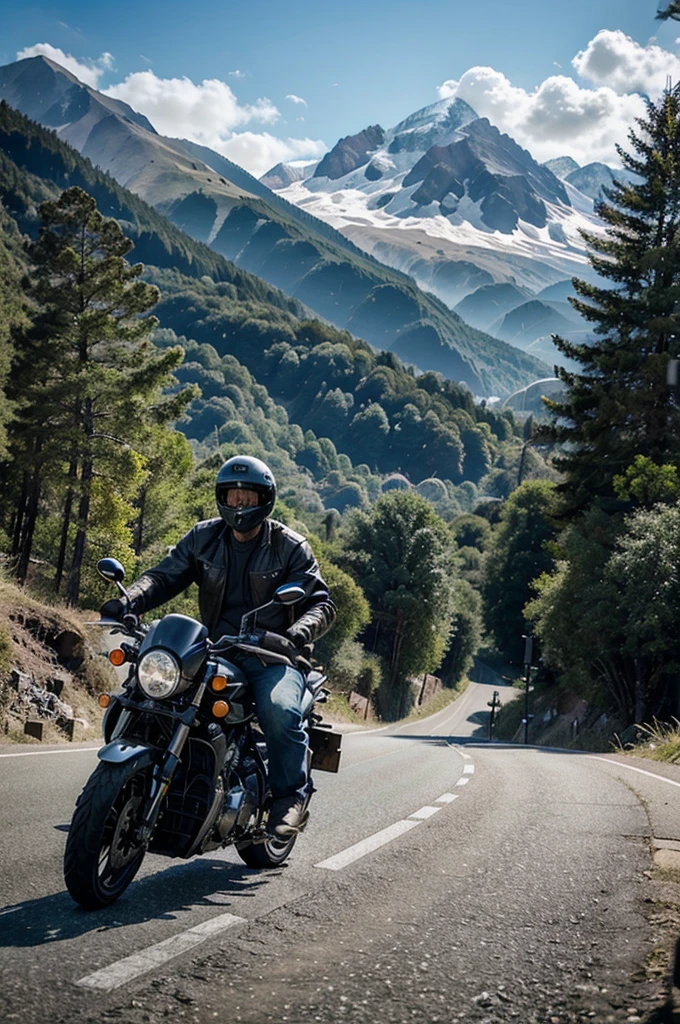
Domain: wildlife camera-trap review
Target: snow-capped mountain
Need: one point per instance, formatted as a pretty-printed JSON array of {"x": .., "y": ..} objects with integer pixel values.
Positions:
[
  {"x": 219, "y": 203},
  {"x": 452, "y": 201}
]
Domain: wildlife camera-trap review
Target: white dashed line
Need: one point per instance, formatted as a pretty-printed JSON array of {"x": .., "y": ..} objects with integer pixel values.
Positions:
[
  {"x": 386, "y": 835},
  {"x": 425, "y": 812},
  {"x": 122, "y": 971},
  {"x": 374, "y": 842}
]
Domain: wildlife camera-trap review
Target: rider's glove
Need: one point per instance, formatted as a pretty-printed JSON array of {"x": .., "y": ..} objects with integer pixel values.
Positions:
[
  {"x": 114, "y": 609},
  {"x": 121, "y": 611},
  {"x": 276, "y": 643},
  {"x": 299, "y": 636}
]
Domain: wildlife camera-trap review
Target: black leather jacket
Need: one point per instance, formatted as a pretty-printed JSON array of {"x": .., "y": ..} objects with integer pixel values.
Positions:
[{"x": 202, "y": 557}]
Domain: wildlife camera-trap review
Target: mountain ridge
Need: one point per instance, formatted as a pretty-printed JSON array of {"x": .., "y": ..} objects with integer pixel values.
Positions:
[{"x": 286, "y": 247}]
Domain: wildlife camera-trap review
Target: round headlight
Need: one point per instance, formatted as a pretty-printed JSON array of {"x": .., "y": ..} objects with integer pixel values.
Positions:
[{"x": 158, "y": 674}]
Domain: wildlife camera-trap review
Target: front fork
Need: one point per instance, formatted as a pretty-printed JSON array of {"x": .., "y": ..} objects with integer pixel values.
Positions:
[{"x": 163, "y": 772}]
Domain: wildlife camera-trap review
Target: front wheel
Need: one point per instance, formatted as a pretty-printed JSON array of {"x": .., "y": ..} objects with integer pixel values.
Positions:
[{"x": 103, "y": 852}]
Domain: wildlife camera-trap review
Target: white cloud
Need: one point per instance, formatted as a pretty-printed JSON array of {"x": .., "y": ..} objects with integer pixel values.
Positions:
[
  {"x": 260, "y": 152},
  {"x": 88, "y": 71},
  {"x": 209, "y": 113},
  {"x": 559, "y": 117},
  {"x": 296, "y": 99},
  {"x": 237, "y": 74},
  {"x": 614, "y": 60},
  {"x": 180, "y": 107}
]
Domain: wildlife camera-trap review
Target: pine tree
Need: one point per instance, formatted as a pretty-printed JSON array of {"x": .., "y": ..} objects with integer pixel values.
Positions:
[
  {"x": 88, "y": 382},
  {"x": 671, "y": 11},
  {"x": 618, "y": 406}
]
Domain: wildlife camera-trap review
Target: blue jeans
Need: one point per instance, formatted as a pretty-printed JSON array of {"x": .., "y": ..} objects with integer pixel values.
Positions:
[{"x": 278, "y": 691}]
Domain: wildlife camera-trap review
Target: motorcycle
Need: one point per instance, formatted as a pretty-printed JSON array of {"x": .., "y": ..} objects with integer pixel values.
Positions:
[{"x": 184, "y": 767}]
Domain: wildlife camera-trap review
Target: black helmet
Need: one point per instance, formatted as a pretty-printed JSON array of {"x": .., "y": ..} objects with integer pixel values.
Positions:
[{"x": 245, "y": 473}]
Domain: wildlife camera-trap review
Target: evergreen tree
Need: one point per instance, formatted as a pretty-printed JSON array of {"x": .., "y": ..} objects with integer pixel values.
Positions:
[
  {"x": 516, "y": 556},
  {"x": 400, "y": 555},
  {"x": 672, "y": 10},
  {"x": 87, "y": 381},
  {"x": 618, "y": 405}
]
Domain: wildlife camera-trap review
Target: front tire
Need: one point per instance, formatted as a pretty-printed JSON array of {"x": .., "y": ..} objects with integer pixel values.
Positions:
[{"x": 103, "y": 853}]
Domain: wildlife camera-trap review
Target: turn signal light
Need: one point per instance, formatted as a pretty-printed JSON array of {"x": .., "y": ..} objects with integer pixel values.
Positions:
[
  {"x": 104, "y": 699},
  {"x": 220, "y": 708},
  {"x": 117, "y": 657},
  {"x": 219, "y": 683}
]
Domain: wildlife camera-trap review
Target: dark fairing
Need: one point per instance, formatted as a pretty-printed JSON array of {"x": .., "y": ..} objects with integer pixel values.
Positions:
[{"x": 183, "y": 636}]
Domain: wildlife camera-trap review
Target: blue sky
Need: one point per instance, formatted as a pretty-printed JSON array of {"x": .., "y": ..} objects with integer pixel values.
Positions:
[{"x": 264, "y": 80}]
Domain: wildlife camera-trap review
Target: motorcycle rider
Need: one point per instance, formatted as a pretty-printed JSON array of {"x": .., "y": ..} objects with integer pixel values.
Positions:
[{"x": 238, "y": 560}]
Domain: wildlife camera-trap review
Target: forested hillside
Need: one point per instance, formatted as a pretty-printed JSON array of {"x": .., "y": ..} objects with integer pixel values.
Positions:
[
  {"x": 293, "y": 251},
  {"x": 125, "y": 387},
  {"x": 371, "y": 407}
]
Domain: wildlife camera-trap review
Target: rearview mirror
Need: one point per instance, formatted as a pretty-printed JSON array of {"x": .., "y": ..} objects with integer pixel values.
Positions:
[
  {"x": 111, "y": 570},
  {"x": 289, "y": 593}
]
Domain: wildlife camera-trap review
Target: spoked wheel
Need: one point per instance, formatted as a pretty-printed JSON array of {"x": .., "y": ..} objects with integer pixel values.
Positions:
[{"x": 103, "y": 852}]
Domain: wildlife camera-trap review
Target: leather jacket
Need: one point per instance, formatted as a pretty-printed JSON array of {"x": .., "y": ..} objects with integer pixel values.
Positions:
[{"x": 202, "y": 557}]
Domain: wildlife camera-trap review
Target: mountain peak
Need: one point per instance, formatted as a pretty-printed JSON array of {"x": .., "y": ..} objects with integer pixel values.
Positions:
[
  {"x": 47, "y": 92},
  {"x": 351, "y": 152},
  {"x": 562, "y": 166},
  {"x": 434, "y": 125}
]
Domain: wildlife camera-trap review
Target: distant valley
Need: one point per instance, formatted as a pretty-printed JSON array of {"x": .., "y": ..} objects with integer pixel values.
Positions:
[{"x": 470, "y": 215}]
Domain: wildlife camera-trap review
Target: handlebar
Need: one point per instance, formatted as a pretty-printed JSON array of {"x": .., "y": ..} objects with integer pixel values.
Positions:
[{"x": 253, "y": 643}]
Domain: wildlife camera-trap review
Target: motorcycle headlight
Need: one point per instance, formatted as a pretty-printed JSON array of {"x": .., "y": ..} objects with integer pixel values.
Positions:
[{"x": 158, "y": 674}]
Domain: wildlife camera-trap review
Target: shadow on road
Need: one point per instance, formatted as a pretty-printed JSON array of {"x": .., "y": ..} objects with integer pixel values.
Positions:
[{"x": 57, "y": 918}]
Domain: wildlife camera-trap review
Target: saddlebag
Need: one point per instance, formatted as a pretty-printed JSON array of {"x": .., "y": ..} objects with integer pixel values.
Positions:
[{"x": 325, "y": 746}]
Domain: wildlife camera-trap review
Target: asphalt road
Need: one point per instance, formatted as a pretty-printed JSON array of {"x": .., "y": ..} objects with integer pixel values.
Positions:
[{"x": 441, "y": 878}]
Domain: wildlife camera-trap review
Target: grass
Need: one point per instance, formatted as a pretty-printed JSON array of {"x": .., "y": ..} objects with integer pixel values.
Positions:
[{"x": 661, "y": 742}]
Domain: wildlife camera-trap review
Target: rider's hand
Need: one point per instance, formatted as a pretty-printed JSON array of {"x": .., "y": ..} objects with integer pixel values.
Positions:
[
  {"x": 300, "y": 637},
  {"x": 276, "y": 643},
  {"x": 114, "y": 609}
]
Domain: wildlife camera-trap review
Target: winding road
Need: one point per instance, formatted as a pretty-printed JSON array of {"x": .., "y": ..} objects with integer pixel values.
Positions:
[{"x": 441, "y": 878}]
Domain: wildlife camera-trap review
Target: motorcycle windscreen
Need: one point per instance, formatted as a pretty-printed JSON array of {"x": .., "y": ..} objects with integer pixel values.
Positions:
[{"x": 183, "y": 636}]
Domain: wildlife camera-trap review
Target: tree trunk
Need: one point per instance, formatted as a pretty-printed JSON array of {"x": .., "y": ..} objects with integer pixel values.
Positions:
[
  {"x": 28, "y": 526},
  {"x": 19, "y": 517},
  {"x": 139, "y": 526},
  {"x": 73, "y": 589},
  {"x": 61, "y": 559}
]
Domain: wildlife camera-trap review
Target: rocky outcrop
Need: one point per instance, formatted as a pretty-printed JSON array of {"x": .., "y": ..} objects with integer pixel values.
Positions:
[
  {"x": 349, "y": 153},
  {"x": 494, "y": 171}
]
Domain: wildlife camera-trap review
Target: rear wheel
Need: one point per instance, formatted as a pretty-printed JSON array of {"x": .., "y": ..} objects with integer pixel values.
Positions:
[
  {"x": 103, "y": 852},
  {"x": 268, "y": 854}
]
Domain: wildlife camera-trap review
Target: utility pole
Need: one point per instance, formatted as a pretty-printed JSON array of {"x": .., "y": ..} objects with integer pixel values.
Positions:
[
  {"x": 493, "y": 704},
  {"x": 528, "y": 656}
]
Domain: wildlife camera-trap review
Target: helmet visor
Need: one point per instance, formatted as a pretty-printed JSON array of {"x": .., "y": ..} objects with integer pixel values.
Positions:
[{"x": 238, "y": 497}]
